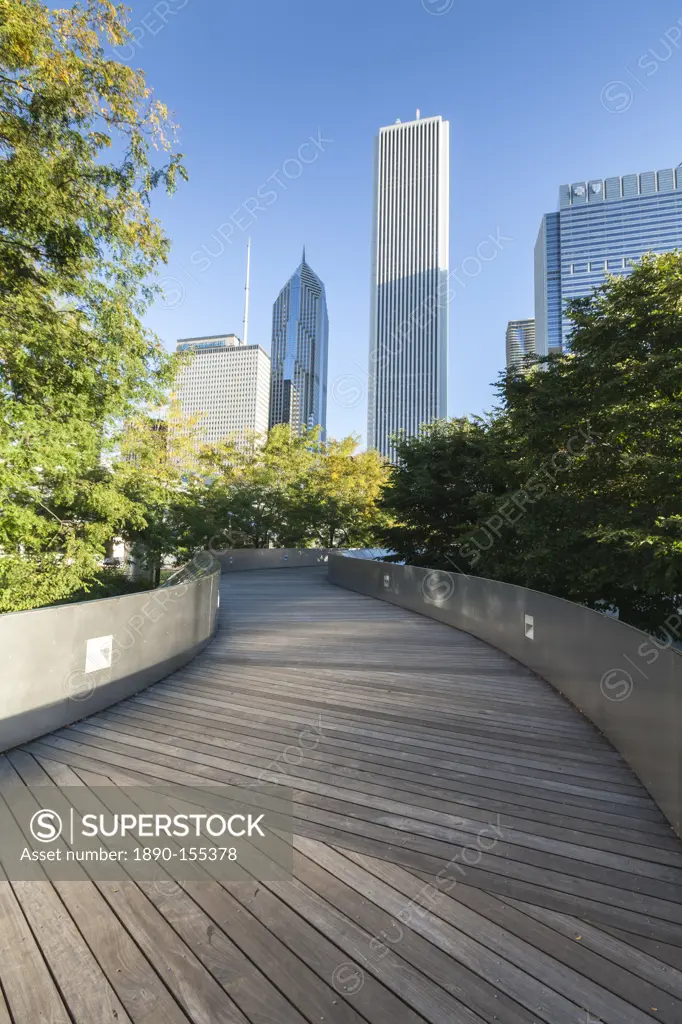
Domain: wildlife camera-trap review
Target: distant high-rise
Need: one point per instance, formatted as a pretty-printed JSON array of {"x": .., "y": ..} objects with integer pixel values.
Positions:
[
  {"x": 300, "y": 341},
  {"x": 226, "y": 387},
  {"x": 548, "y": 286},
  {"x": 409, "y": 284},
  {"x": 601, "y": 228},
  {"x": 520, "y": 342}
]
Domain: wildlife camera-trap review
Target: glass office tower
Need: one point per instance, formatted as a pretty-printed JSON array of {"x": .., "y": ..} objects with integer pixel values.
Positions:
[
  {"x": 409, "y": 283},
  {"x": 520, "y": 342},
  {"x": 602, "y": 226},
  {"x": 548, "y": 286},
  {"x": 300, "y": 340}
]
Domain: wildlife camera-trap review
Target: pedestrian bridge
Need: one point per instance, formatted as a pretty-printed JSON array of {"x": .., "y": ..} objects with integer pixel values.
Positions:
[{"x": 468, "y": 847}]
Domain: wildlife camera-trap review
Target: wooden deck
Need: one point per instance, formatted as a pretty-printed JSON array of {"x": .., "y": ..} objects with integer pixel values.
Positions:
[{"x": 468, "y": 847}]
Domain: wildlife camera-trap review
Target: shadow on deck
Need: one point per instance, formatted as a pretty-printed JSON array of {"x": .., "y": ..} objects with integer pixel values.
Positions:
[{"x": 468, "y": 848}]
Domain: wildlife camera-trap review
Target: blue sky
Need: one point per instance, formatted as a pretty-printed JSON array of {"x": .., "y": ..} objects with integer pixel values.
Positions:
[{"x": 537, "y": 94}]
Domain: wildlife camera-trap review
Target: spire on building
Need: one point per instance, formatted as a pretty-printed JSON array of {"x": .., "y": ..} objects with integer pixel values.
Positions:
[{"x": 303, "y": 260}]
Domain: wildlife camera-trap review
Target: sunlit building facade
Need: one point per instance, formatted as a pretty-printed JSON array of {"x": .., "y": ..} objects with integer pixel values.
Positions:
[
  {"x": 409, "y": 283},
  {"x": 300, "y": 343},
  {"x": 520, "y": 342},
  {"x": 224, "y": 388},
  {"x": 602, "y": 227}
]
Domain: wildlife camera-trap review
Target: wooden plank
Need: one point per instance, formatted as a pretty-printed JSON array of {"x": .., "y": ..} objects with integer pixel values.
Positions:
[
  {"x": 633, "y": 961},
  {"x": 606, "y": 911},
  {"x": 483, "y": 992},
  {"x": 531, "y": 957},
  {"x": 500, "y": 745},
  {"x": 333, "y": 965},
  {"x": 27, "y": 984},
  {"x": 659, "y": 898},
  {"x": 626, "y": 805},
  {"x": 429, "y": 1001},
  {"x": 248, "y": 988},
  {"x": 623, "y": 909},
  {"x": 656, "y": 946},
  {"x": 218, "y": 935},
  {"x": 134, "y": 724},
  {"x": 186, "y": 726},
  {"x": 427, "y": 735},
  {"x": 552, "y": 766},
  {"x": 434, "y": 736},
  {"x": 165, "y": 946},
  {"x": 291, "y": 974},
  {"x": 4, "y": 1009},
  {"x": 84, "y": 986},
  {"x": 136, "y": 984},
  {"x": 171, "y": 718}
]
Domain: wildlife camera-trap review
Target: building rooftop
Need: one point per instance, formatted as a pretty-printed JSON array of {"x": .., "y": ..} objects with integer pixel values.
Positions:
[
  {"x": 625, "y": 186},
  {"x": 211, "y": 341}
]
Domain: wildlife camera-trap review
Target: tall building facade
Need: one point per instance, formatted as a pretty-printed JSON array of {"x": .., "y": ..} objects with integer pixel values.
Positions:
[
  {"x": 226, "y": 386},
  {"x": 548, "y": 301},
  {"x": 409, "y": 282},
  {"x": 602, "y": 227},
  {"x": 300, "y": 343},
  {"x": 520, "y": 342}
]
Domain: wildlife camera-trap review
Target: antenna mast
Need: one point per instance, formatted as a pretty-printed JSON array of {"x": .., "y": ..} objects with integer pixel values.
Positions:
[{"x": 247, "y": 289}]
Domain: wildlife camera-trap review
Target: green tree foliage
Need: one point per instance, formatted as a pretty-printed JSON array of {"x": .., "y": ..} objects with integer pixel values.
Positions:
[
  {"x": 158, "y": 474},
  {"x": 448, "y": 479},
  {"x": 574, "y": 485},
  {"x": 83, "y": 144},
  {"x": 290, "y": 491},
  {"x": 339, "y": 499}
]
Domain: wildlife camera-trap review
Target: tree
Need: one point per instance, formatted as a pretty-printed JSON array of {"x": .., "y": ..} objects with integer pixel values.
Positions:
[
  {"x": 617, "y": 502},
  {"x": 292, "y": 490},
  {"x": 447, "y": 480},
  {"x": 251, "y": 484},
  {"x": 340, "y": 494},
  {"x": 574, "y": 485},
  {"x": 158, "y": 474},
  {"x": 79, "y": 137}
]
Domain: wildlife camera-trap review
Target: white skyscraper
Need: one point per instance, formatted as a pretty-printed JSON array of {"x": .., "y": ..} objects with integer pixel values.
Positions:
[
  {"x": 520, "y": 342},
  {"x": 226, "y": 387},
  {"x": 409, "y": 289}
]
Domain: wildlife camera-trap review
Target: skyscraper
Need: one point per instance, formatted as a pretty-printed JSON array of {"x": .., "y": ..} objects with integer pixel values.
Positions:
[
  {"x": 226, "y": 387},
  {"x": 410, "y": 260},
  {"x": 520, "y": 342},
  {"x": 300, "y": 340},
  {"x": 602, "y": 226},
  {"x": 548, "y": 286}
]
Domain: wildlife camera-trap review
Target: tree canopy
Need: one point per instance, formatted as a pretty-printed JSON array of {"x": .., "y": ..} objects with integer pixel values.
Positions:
[
  {"x": 573, "y": 485},
  {"x": 83, "y": 145},
  {"x": 290, "y": 491}
]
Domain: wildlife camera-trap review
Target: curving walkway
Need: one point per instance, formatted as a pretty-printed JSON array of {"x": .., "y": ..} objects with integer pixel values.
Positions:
[{"x": 468, "y": 848}]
